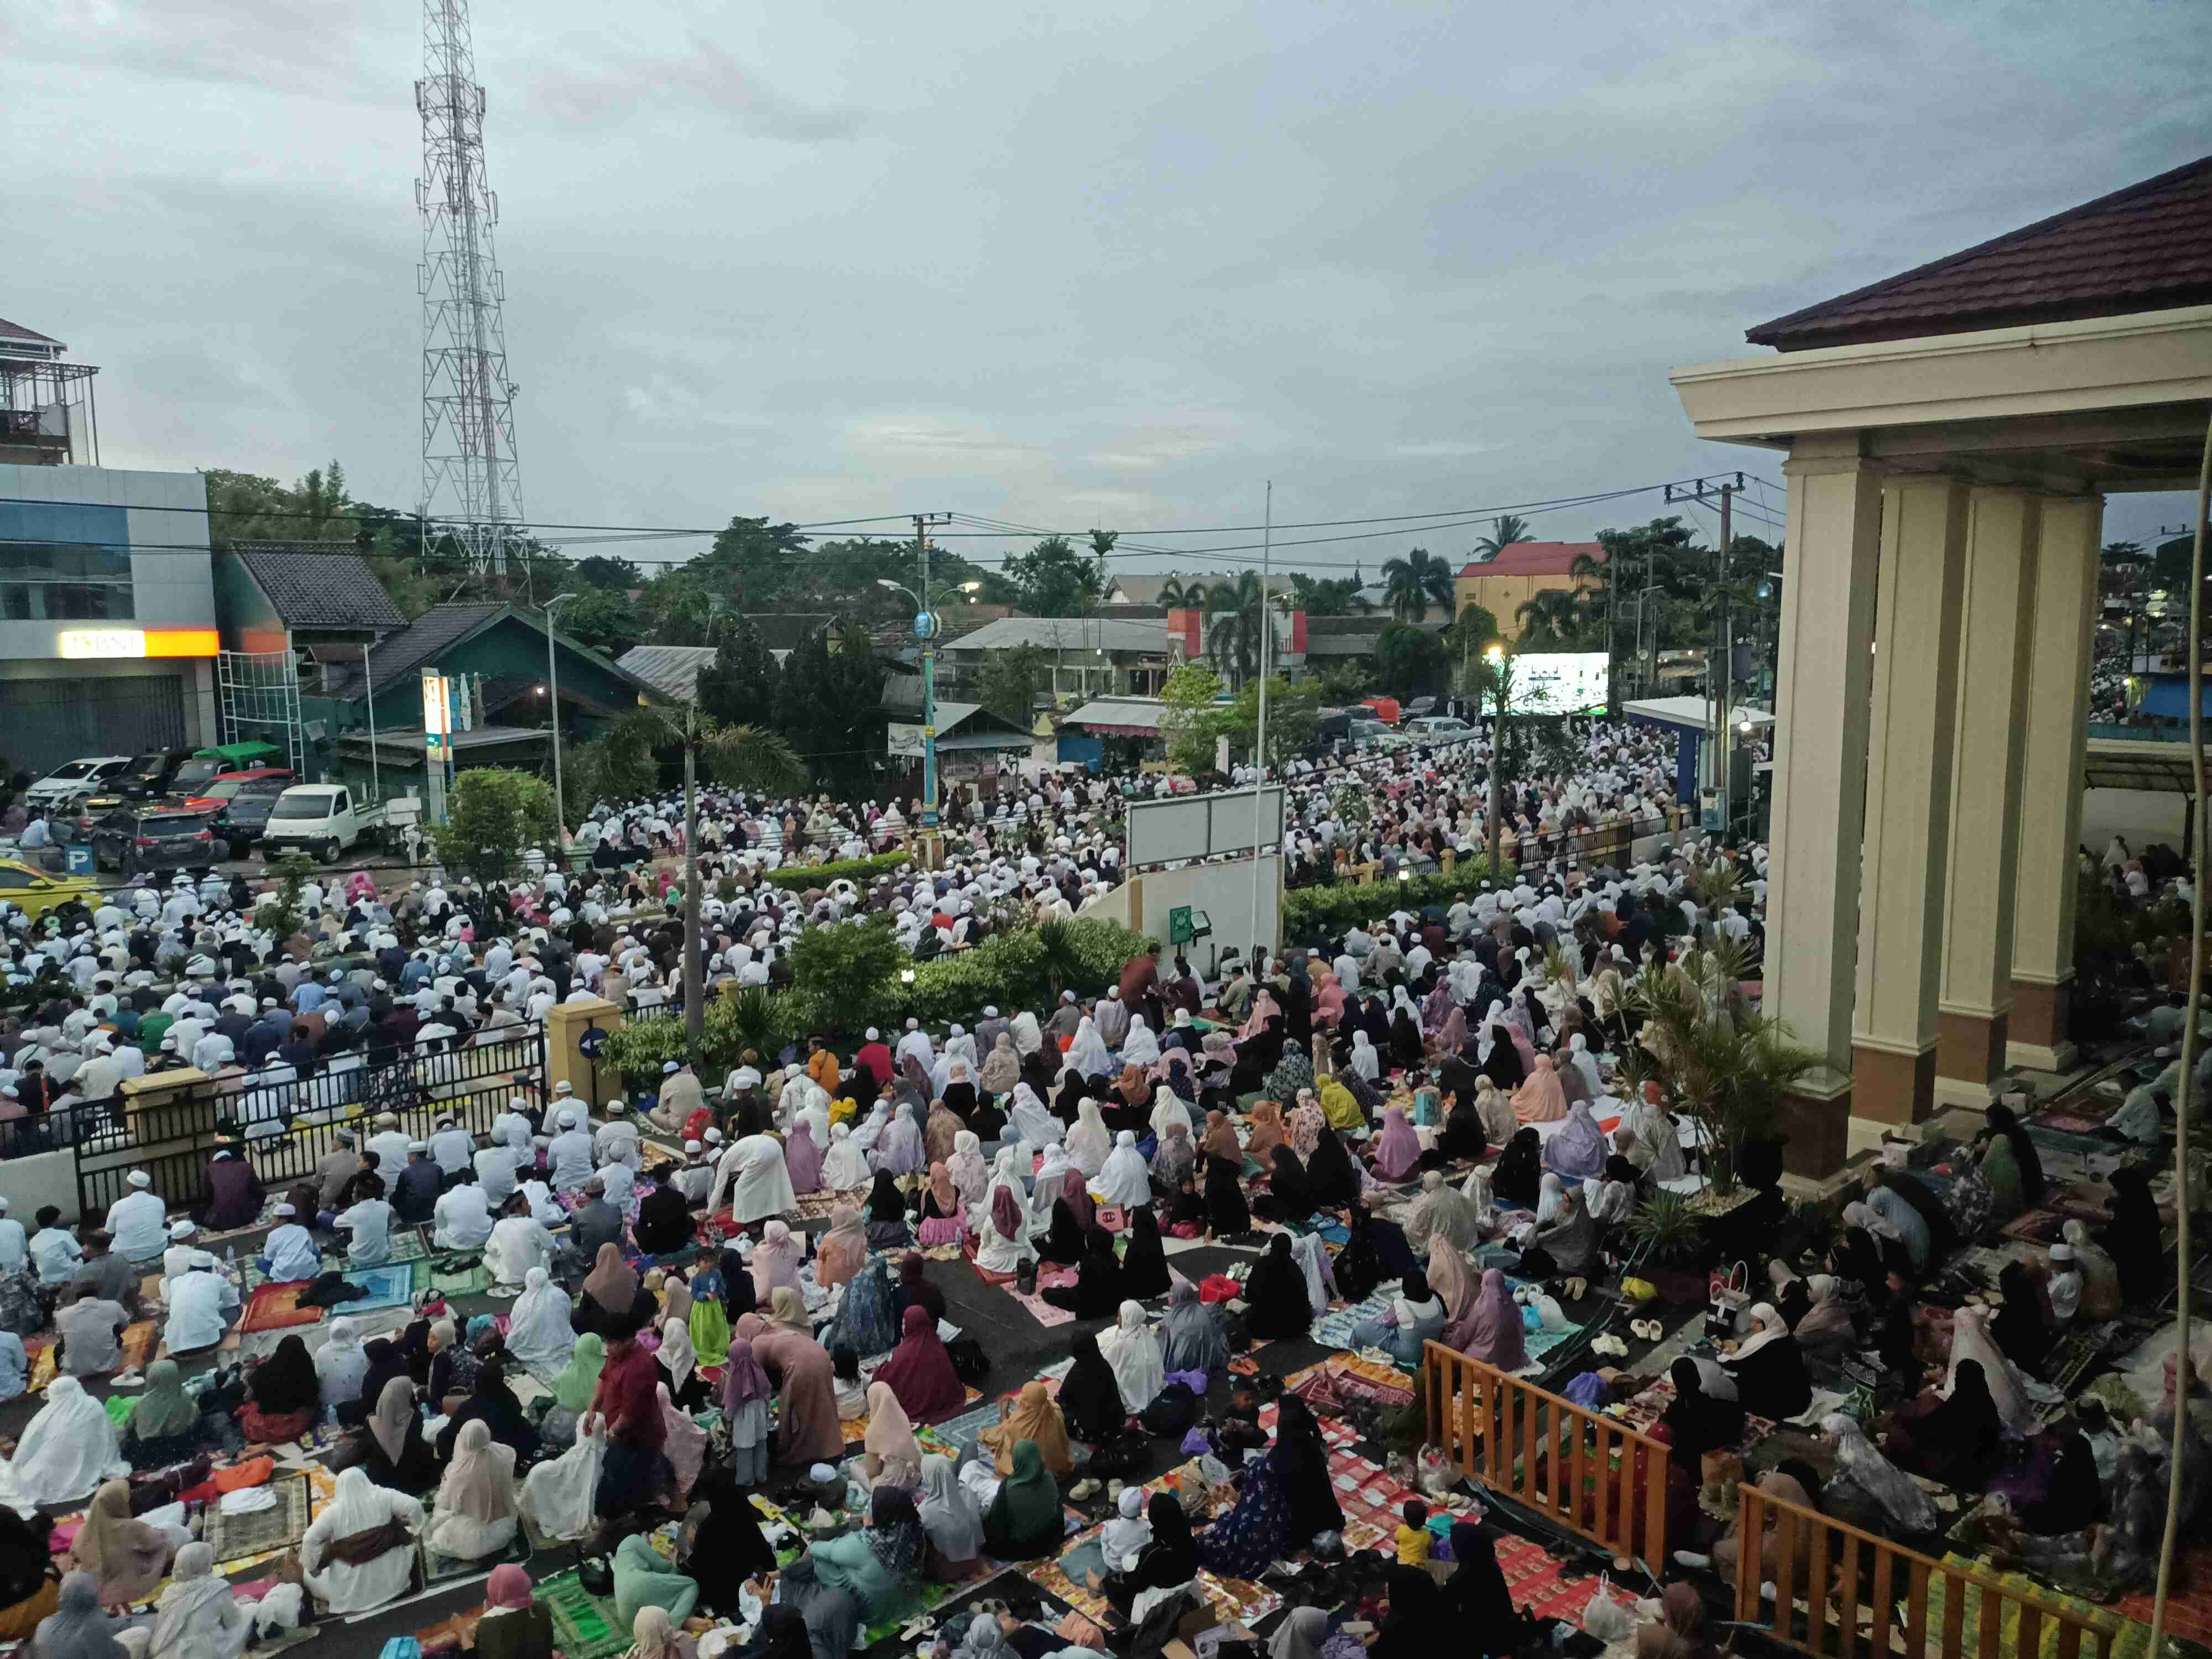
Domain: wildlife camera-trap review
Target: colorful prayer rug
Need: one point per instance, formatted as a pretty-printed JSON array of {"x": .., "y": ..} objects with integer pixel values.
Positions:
[
  {"x": 472, "y": 1279},
  {"x": 261, "y": 1532},
  {"x": 274, "y": 1306},
  {"x": 1234, "y": 1600},
  {"x": 584, "y": 1626},
  {"x": 391, "y": 1285}
]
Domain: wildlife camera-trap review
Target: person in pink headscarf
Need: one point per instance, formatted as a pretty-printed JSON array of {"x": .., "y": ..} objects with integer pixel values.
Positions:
[
  {"x": 1540, "y": 1099},
  {"x": 1264, "y": 1008},
  {"x": 802, "y": 1159},
  {"x": 1398, "y": 1149},
  {"x": 1491, "y": 1331}
]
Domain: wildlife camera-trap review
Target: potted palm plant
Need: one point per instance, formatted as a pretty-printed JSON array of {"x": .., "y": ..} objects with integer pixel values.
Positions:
[{"x": 1722, "y": 1064}]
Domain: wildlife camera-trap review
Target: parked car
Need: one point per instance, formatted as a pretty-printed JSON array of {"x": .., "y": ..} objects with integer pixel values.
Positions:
[
  {"x": 149, "y": 773},
  {"x": 37, "y": 891},
  {"x": 1368, "y": 733},
  {"x": 225, "y": 789},
  {"x": 1421, "y": 706},
  {"x": 1385, "y": 709},
  {"x": 324, "y": 819},
  {"x": 1438, "y": 728},
  {"x": 193, "y": 779},
  {"x": 246, "y": 803},
  {"x": 135, "y": 841},
  {"x": 76, "y": 778}
]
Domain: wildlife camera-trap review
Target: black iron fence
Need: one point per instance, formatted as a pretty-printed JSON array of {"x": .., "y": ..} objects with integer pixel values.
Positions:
[{"x": 285, "y": 1127}]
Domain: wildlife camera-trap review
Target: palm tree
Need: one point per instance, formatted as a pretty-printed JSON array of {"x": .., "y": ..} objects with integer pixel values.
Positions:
[
  {"x": 1550, "y": 619},
  {"x": 1235, "y": 620},
  {"x": 1505, "y": 530},
  {"x": 1179, "y": 591},
  {"x": 740, "y": 757},
  {"x": 1411, "y": 583}
]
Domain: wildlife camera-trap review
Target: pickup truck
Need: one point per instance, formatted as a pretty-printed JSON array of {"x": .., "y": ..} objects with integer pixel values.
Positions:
[{"x": 324, "y": 819}]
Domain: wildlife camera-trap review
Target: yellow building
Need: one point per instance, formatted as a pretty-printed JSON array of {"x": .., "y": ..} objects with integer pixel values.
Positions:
[{"x": 1518, "y": 572}]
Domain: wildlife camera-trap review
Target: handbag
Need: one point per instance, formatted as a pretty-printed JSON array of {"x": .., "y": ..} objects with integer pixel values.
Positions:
[
  {"x": 1727, "y": 1295},
  {"x": 595, "y": 1573},
  {"x": 969, "y": 1363}
]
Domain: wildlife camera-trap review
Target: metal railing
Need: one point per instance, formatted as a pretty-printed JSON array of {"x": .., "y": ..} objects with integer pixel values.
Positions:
[
  {"x": 1576, "y": 1468},
  {"x": 1916, "y": 1606},
  {"x": 286, "y": 1127}
]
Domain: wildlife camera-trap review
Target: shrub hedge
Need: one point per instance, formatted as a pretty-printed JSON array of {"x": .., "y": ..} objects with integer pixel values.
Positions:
[
  {"x": 1312, "y": 915},
  {"x": 1009, "y": 971},
  {"x": 799, "y": 877}
]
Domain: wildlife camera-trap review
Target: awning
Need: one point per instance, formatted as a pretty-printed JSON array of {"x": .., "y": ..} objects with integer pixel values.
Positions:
[
  {"x": 239, "y": 754},
  {"x": 2124, "y": 763}
]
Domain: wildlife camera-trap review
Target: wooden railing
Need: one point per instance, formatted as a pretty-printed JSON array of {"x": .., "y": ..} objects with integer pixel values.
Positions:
[
  {"x": 1576, "y": 1466},
  {"x": 1918, "y": 1607}
]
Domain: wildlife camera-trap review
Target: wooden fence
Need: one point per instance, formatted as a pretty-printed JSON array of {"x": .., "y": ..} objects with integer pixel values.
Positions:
[
  {"x": 1918, "y": 1606},
  {"x": 1578, "y": 1467}
]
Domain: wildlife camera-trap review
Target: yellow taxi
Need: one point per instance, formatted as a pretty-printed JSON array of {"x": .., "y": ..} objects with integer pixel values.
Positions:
[{"x": 38, "y": 891}]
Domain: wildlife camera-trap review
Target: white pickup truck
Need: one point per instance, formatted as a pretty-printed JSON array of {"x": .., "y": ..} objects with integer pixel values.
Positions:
[{"x": 327, "y": 819}]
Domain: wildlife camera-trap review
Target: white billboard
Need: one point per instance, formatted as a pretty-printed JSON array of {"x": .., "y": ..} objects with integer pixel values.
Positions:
[
  {"x": 1181, "y": 827},
  {"x": 1558, "y": 682}
]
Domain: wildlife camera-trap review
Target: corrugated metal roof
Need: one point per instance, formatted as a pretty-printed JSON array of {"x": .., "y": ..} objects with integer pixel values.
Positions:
[
  {"x": 2147, "y": 247},
  {"x": 1120, "y": 711},
  {"x": 400, "y": 654},
  {"x": 16, "y": 331},
  {"x": 1068, "y": 633},
  {"x": 671, "y": 670}
]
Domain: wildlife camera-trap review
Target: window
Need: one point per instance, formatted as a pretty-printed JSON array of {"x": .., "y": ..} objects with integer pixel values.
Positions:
[
  {"x": 14, "y": 880},
  {"x": 64, "y": 561}
]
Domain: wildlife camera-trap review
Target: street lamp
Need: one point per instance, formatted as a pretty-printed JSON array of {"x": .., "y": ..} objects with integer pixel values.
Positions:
[
  {"x": 925, "y": 629},
  {"x": 553, "y": 707}
]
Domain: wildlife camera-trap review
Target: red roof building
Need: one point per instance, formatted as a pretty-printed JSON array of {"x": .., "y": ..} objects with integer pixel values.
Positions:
[{"x": 1536, "y": 559}]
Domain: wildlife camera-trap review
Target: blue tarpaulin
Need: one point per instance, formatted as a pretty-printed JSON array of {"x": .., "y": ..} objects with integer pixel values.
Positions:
[{"x": 2169, "y": 698}]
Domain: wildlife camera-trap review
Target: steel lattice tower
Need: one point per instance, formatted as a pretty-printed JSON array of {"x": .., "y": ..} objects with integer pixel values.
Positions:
[{"x": 471, "y": 479}]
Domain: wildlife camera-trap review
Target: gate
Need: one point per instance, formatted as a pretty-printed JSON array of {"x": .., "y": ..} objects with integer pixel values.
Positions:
[
  {"x": 286, "y": 1129},
  {"x": 51, "y": 721}
]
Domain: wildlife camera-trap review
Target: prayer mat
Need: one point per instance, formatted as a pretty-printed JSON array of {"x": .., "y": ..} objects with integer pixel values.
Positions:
[
  {"x": 280, "y": 1526},
  {"x": 272, "y": 1306},
  {"x": 1234, "y": 1600},
  {"x": 138, "y": 1343},
  {"x": 2120, "y": 1636},
  {"x": 442, "y": 1569},
  {"x": 40, "y": 1351},
  {"x": 584, "y": 1626},
  {"x": 968, "y": 1250},
  {"x": 1334, "y": 1329},
  {"x": 1371, "y": 1497},
  {"x": 2062, "y": 1121},
  {"x": 2034, "y": 1227},
  {"x": 1040, "y": 1310},
  {"x": 1540, "y": 1584},
  {"x": 408, "y": 1244},
  {"x": 2056, "y": 1140},
  {"x": 391, "y": 1285},
  {"x": 470, "y": 1277},
  {"x": 268, "y": 1218}
]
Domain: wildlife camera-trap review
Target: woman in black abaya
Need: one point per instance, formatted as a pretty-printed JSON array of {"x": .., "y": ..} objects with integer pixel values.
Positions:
[
  {"x": 1096, "y": 1292},
  {"x": 1226, "y": 1212},
  {"x": 1304, "y": 1455},
  {"x": 1331, "y": 1178},
  {"x": 1276, "y": 1301},
  {"x": 1290, "y": 1195},
  {"x": 1520, "y": 1170},
  {"x": 1145, "y": 1263}
]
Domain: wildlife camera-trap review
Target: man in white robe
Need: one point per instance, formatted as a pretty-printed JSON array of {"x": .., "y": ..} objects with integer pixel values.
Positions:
[
  {"x": 518, "y": 1243},
  {"x": 203, "y": 1304},
  {"x": 763, "y": 1181},
  {"x": 290, "y": 1255},
  {"x": 370, "y": 1221},
  {"x": 463, "y": 1217},
  {"x": 138, "y": 1222}
]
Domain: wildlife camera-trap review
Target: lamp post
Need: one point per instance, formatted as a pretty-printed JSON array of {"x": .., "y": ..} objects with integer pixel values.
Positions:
[
  {"x": 1495, "y": 656},
  {"x": 553, "y": 701},
  {"x": 925, "y": 629}
]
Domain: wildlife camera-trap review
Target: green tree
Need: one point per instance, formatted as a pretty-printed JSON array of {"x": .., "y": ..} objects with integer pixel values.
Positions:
[
  {"x": 1554, "y": 619},
  {"x": 1054, "y": 580},
  {"x": 850, "y": 968},
  {"x": 754, "y": 560},
  {"x": 492, "y": 814},
  {"x": 1191, "y": 696},
  {"x": 677, "y": 608},
  {"x": 1505, "y": 530},
  {"x": 1413, "y": 583},
  {"x": 740, "y": 684},
  {"x": 1410, "y": 661},
  {"x": 1328, "y": 596},
  {"x": 828, "y": 706},
  {"x": 1472, "y": 632},
  {"x": 620, "y": 766},
  {"x": 243, "y": 508},
  {"x": 602, "y": 570},
  {"x": 1293, "y": 715},
  {"x": 1180, "y": 591},
  {"x": 602, "y": 618},
  {"x": 1344, "y": 683},
  {"x": 1009, "y": 681}
]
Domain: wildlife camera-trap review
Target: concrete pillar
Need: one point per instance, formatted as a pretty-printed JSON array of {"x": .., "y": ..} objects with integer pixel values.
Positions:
[
  {"x": 565, "y": 1062},
  {"x": 2055, "y": 733},
  {"x": 1908, "y": 798},
  {"x": 1830, "y": 553},
  {"x": 1997, "y": 621}
]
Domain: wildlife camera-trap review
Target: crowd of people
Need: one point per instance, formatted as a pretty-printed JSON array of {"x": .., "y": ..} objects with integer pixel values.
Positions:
[{"x": 1435, "y": 1119}]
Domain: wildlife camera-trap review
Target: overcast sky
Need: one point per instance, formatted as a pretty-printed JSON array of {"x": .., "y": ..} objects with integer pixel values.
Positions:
[{"x": 1060, "y": 266}]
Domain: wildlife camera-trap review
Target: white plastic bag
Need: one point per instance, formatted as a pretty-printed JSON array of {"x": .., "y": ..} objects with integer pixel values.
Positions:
[
  {"x": 559, "y": 1495},
  {"x": 1605, "y": 1618}
]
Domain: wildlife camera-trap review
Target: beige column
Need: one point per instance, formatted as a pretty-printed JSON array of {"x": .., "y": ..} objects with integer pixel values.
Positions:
[
  {"x": 1996, "y": 621},
  {"x": 2055, "y": 733},
  {"x": 1830, "y": 553},
  {"x": 1908, "y": 798}
]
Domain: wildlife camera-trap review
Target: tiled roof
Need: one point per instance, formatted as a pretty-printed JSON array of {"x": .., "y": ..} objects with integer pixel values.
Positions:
[
  {"x": 319, "y": 585},
  {"x": 402, "y": 654},
  {"x": 1068, "y": 633},
  {"x": 2147, "y": 247},
  {"x": 1536, "y": 559},
  {"x": 16, "y": 331}
]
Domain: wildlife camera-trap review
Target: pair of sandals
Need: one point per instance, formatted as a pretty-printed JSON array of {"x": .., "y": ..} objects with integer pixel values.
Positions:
[{"x": 1646, "y": 1330}]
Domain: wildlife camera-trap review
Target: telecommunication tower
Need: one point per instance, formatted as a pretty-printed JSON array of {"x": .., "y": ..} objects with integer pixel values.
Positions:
[{"x": 472, "y": 480}]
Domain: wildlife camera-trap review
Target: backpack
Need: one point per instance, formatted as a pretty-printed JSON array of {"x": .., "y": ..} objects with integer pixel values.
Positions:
[{"x": 1172, "y": 1411}]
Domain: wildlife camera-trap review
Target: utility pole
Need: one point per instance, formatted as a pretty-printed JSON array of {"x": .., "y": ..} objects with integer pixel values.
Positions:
[
  {"x": 932, "y": 842},
  {"x": 1259, "y": 742},
  {"x": 1718, "y": 677},
  {"x": 1495, "y": 656}
]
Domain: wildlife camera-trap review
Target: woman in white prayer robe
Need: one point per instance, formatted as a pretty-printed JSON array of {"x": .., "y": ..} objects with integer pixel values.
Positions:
[
  {"x": 68, "y": 1449},
  {"x": 1125, "y": 1179},
  {"x": 538, "y": 1333},
  {"x": 762, "y": 1188}
]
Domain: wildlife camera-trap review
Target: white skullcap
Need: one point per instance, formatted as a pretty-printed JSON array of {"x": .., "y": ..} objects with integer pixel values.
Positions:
[
  {"x": 140, "y": 1178},
  {"x": 181, "y": 1229},
  {"x": 693, "y": 1146},
  {"x": 669, "y": 1067}
]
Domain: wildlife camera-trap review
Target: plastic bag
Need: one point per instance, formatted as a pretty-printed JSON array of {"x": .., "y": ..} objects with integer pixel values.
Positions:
[{"x": 1605, "y": 1618}]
